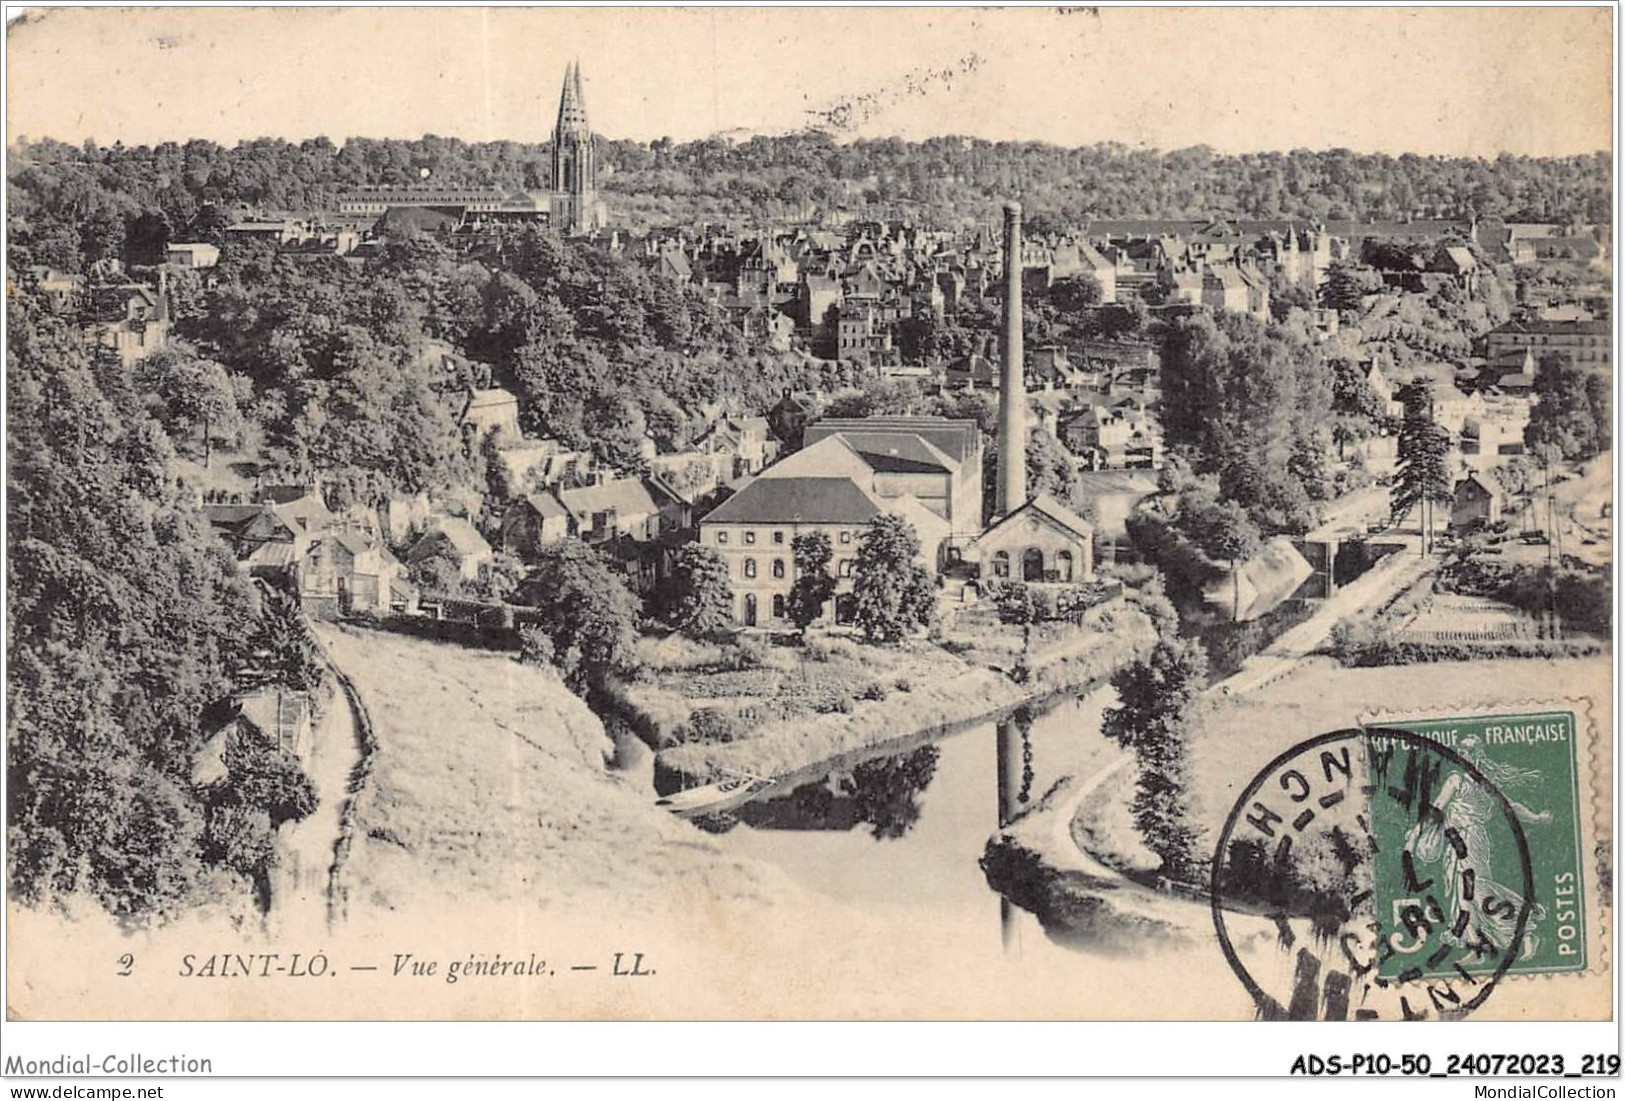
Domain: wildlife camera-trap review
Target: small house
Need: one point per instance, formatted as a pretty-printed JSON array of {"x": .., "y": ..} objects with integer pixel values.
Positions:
[
  {"x": 273, "y": 715},
  {"x": 641, "y": 509},
  {"x": 532, "y": 520},
  {"x": 492, "y": 410},
  {"x": 192, "y": 254},
  {"x": 455, "y": 535},
  {"x": 1477, "y": 498},
  {"x": 131, "y": 320}
]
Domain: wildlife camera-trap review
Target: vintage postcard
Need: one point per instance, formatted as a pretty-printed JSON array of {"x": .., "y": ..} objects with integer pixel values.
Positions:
[{"x": 809, "y": 513}]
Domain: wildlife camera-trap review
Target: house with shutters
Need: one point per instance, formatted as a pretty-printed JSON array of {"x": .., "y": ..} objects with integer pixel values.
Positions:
[
  {"x": 754, "y": 532},
  {"x": 1585, "y": 343}
]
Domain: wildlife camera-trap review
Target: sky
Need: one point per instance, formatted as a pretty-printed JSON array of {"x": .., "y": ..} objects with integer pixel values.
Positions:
[{"x": 1454, "y": 81}]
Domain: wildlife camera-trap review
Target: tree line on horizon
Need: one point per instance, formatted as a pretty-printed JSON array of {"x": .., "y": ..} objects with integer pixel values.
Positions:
[{"x": 73, "y": 204}]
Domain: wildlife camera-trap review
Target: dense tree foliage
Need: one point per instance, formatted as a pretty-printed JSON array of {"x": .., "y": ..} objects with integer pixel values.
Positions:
[
  {"x": 599, "y": 351},
  {"x": 1357, "y": 409},
  {"x": 1422, "y": 479},
  {"x": 892, "y": 593},
  {"x": 1051, "y": 469},
  {"x": 283, "y": 651},
  {"x": 1250, "y": 404},
  {"x": 1573, "y": 414},
  {"x": 585, "y": 615},
  {"x": 702, "y": 594},
  {"x": 125, "y": 622},
  {"x": 192, "y": 398},
  {"x": 1221, "y": 529},
  {"x": 1158, "y": 699},
  {"x": 264, "y": 777},
  {"x": 437, "y": 571},
  {"x": 813, "y": 587},
  {"x": 342, "y": 367},
  {"x": 331, "y": 361}
]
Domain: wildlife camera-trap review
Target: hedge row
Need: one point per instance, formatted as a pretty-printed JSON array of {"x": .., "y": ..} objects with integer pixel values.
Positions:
[{"x": 1385, "y": 651}]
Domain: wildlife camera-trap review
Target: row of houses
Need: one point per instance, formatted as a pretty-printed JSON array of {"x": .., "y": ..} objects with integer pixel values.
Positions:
[
  {"x": 286, "y": 535},
  {"x": 845, "y": 295}
]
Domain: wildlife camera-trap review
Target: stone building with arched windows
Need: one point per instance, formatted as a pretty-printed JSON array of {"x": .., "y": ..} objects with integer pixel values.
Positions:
[{"x": 1042, "y": 541}]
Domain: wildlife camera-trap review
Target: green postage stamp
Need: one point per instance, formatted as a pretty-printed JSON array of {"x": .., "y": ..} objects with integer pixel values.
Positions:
[
  {"x": 1503, "y": 840},
  {"x": 1411, "y": 864}
]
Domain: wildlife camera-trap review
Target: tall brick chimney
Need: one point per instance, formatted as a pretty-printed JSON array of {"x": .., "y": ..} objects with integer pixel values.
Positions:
[{"x": 1012, "y": 387}]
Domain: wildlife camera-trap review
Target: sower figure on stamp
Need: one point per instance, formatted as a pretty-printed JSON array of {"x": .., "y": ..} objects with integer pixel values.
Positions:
[{"x": 1465, "y": 809}]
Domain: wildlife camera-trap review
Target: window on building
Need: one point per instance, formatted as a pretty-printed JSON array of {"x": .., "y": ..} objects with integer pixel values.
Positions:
[
  {"x": 750, "y": 567},
  {"x": 1001, "y": 564},
  {"x": 846, "y": 567},
  {"x": 722, "y": 538},
  {"x": 778, "y": 537},
  {"x": 750, "y": 537},
  {"x": 778, "y": 567},
  {"x": 778, "y": 605},
  {"x": 846, "y": 537}
]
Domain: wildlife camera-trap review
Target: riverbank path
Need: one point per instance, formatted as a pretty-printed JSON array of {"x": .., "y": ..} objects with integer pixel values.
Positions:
[
  {"x": 1373, "y": 589},
  {"x": 308, "y": 848},
  {"x": 1366, "y": 593}
]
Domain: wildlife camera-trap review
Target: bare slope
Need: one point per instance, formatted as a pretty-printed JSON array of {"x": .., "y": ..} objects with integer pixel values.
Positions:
[{"x": 490, "y": 785}]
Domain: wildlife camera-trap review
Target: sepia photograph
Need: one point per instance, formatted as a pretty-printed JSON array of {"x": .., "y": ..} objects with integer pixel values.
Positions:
[{"x": 809, "y": 514}]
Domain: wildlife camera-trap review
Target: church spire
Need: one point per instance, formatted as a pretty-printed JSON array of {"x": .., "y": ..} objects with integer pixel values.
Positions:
[
  {"x": 575, "y": 207},
  {"x": 572, "y": 106}
]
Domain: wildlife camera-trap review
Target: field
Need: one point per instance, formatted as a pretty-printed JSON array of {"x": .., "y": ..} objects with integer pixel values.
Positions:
[
  {"x": 794, "y": 706},
  {"x": 746, "y": 683},
  {"x": 1238, "y": 737}
]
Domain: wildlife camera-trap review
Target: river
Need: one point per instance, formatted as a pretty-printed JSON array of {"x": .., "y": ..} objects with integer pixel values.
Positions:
[{"x": 901, "y": 833}]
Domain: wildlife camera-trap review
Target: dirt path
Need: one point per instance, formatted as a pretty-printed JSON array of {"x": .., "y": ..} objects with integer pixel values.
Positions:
[
  {"x": 1375, "y": 588},
  {"x": 311, "y": 851},
  {"x": 306, "y": 847}
]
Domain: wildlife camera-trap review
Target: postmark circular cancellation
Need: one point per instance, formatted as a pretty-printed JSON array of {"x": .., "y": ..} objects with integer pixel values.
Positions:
[{"x": 1393, "y": 870}]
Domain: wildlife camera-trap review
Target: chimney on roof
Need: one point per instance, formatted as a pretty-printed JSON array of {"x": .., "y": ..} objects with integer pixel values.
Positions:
[{"x": 1012, "y": 389}]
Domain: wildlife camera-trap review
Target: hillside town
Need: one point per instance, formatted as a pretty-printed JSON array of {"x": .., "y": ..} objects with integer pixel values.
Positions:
[
  {"x": 859, "y": 293},
  {"x": 765, "y": 496}
]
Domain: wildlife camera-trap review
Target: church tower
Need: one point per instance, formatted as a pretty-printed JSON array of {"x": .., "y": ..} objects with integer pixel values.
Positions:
[{"x": 575, "y": 206}]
